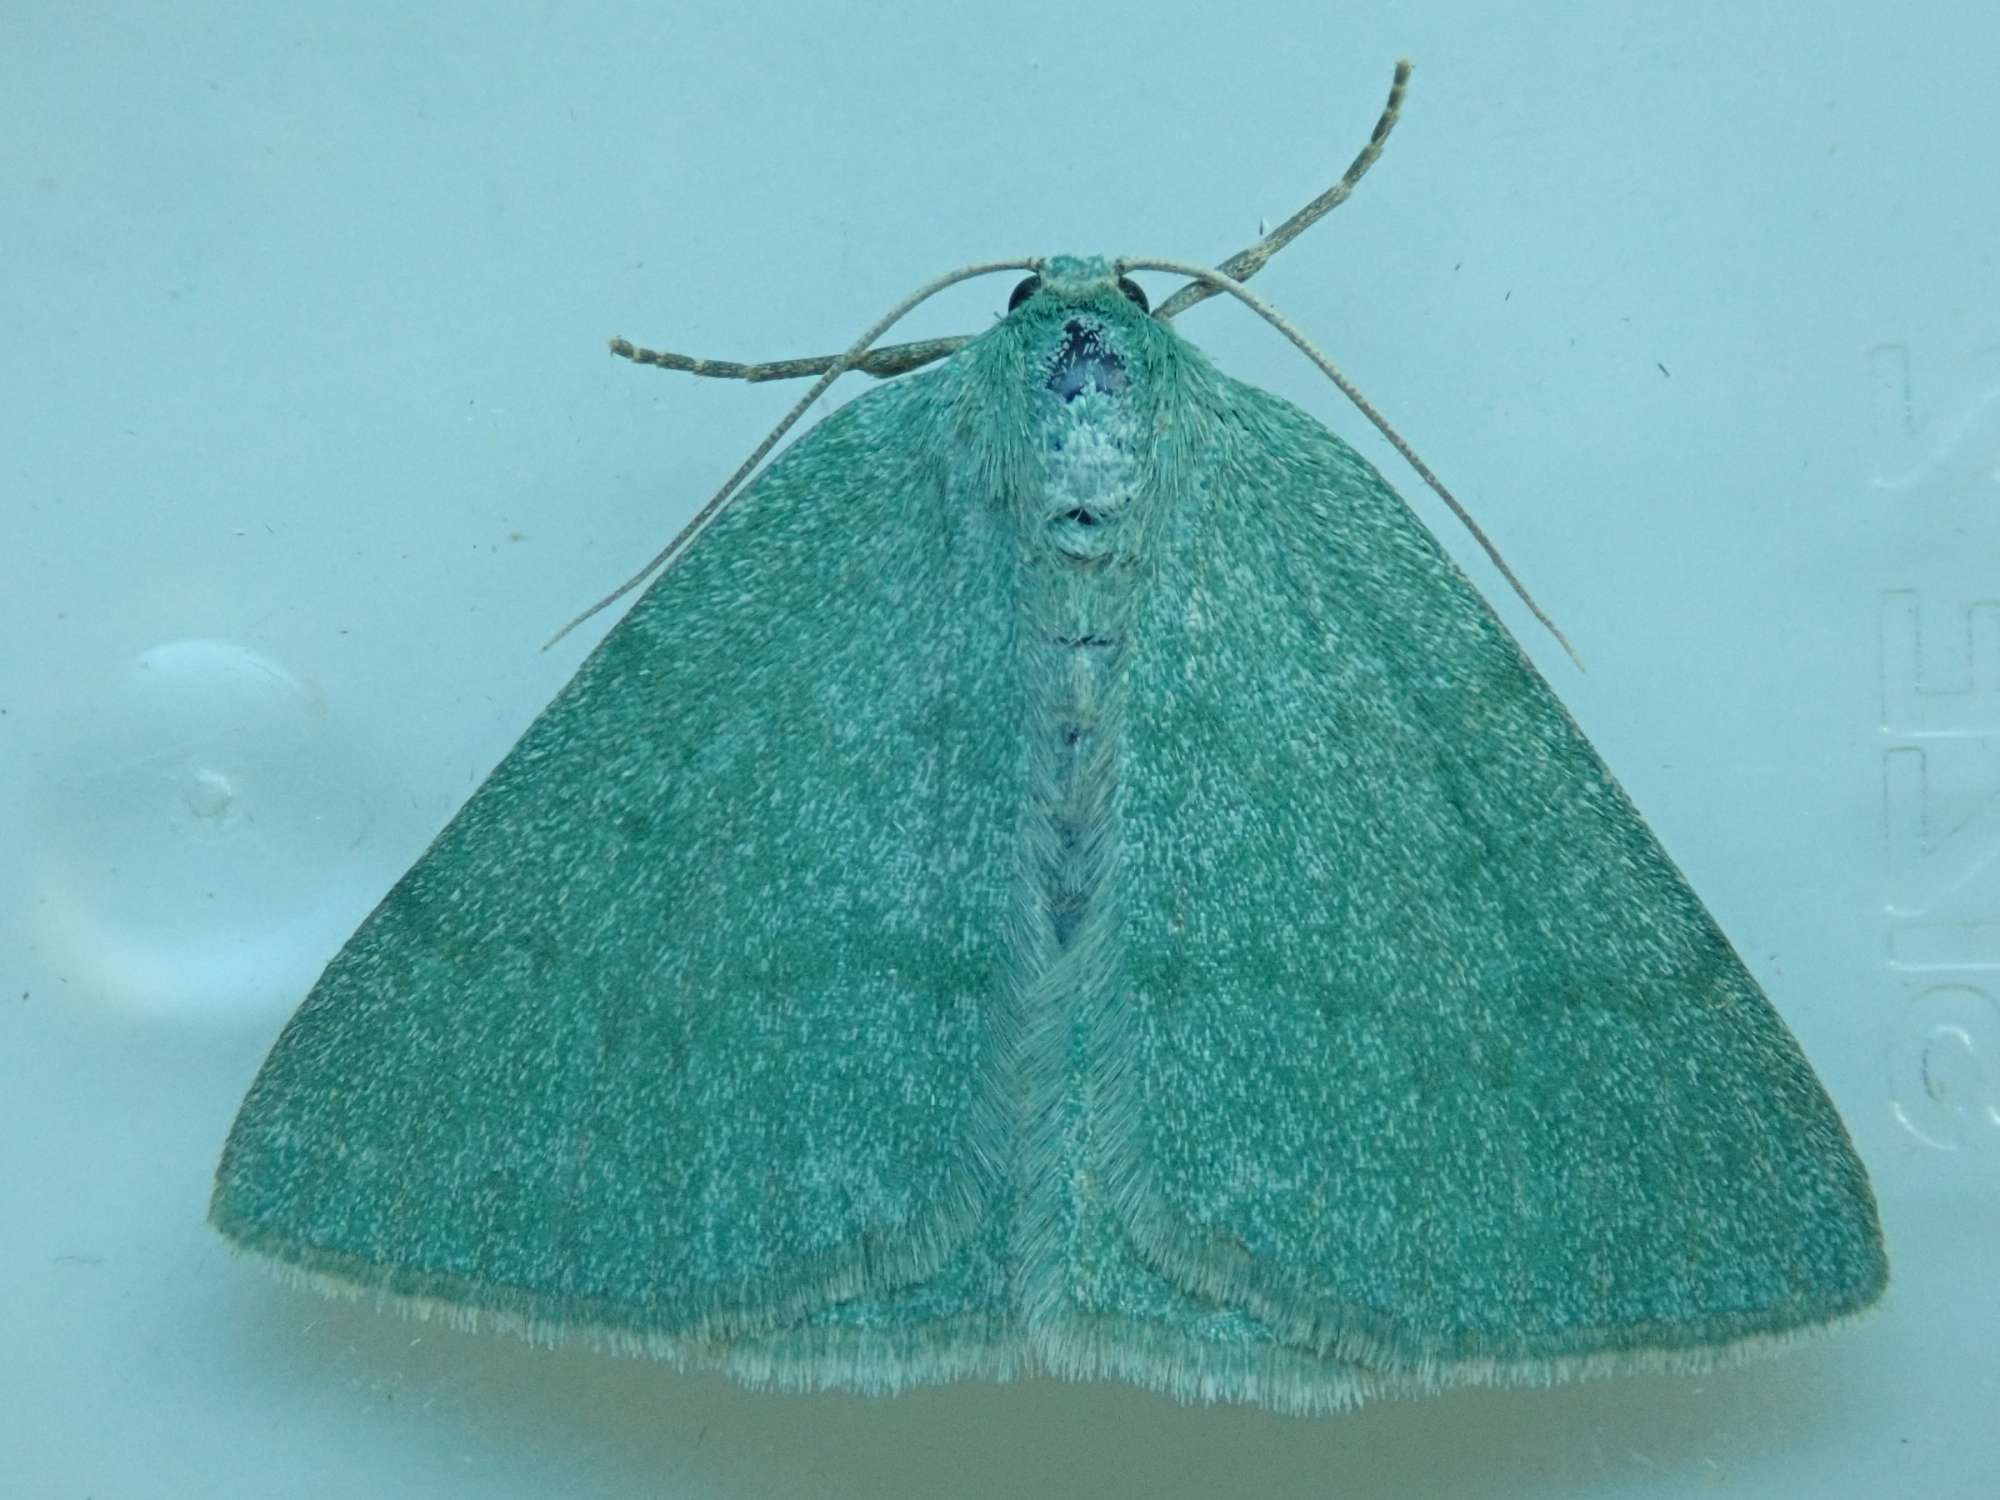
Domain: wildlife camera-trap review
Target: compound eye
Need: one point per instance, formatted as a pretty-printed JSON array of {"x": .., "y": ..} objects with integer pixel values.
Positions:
[
  {"x": 1133, "y": 290},
  {"x": 1024, "y": 291}
]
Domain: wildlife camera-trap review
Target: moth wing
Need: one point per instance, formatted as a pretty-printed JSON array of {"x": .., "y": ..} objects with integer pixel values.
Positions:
[
  {"x": 677, "y": 1028},
  {"x": 1443, "y": 1069}
]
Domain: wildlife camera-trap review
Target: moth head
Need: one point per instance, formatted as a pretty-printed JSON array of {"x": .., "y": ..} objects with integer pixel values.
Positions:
[
  {"x": 1085, "y": 324},
  {"x": 1076, "y": 278}
]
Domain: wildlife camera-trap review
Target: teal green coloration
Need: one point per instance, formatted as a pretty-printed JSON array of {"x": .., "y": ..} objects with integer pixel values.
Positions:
[{"x": 1065, "y": 876}]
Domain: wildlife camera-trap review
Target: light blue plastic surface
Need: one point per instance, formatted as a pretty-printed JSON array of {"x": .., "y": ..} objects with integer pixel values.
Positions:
[{"x": 308, "y": 438}]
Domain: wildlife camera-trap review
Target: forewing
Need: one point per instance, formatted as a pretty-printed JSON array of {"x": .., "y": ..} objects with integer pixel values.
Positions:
[
  {"x": 1441, "y": 1061},
  {"x": 679, "y": 1026}
]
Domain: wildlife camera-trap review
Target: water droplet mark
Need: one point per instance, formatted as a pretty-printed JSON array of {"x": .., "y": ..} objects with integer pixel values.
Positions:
[
  {"x": 210, "y": 796},
  {"x": 196, "y": 807}
]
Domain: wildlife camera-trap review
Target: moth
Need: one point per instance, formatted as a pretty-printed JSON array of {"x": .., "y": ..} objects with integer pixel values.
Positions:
[{"x": 1064, "y": 875}]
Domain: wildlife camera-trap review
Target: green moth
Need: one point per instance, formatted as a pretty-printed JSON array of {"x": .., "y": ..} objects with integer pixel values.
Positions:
[{"x": 1063, "y": 876}]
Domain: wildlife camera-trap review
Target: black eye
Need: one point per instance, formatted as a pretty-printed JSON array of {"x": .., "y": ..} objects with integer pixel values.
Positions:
[
  {"x": 1133, "y": 290},
  {"x": 1024, "y": 291}
]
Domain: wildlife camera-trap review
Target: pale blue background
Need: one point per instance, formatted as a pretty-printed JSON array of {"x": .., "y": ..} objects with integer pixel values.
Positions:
[{"x": 308, "y": 438}]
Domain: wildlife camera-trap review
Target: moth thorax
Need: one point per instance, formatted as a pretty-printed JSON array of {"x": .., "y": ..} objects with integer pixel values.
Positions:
[{"x": 1090, "y": 474}]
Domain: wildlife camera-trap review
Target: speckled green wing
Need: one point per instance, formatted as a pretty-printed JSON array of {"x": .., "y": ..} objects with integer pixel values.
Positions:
[
  {"x": 1442, "y": 1071},
  {"x": 677, "y": 1028}
]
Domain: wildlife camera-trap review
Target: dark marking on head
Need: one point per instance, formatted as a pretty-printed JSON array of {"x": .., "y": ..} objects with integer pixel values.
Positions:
[{"x": 1085, "y": 362}]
